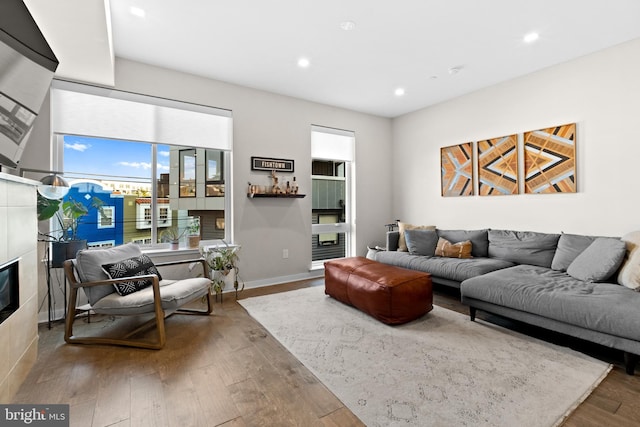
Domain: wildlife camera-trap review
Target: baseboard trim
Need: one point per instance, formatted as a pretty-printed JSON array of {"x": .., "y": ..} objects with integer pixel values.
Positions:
[{"x": 279, "y": 280}]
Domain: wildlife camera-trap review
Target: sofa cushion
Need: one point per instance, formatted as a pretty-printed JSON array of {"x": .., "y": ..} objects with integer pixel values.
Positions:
[
  {"x": 454, "y": 269},
  {"x": 569, "y": 247},
  {"x": 402, "y": 227},
  {"x": 445, "y": 248},
  {"x": 135, "y": 266},
  {"x": 599, "y": 261},
  {"x": 556, "y": 295},
  {"x": 421, "y": 242},
  {"x": 479, "y": 239},
  {"x": 523, "y": 247},
  {"x": 89, "y": 267},
  {"x": 629, "y": 275}
]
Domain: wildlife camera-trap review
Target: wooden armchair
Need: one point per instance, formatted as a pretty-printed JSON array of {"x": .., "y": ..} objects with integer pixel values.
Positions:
[{"x": 162, "y": 298}]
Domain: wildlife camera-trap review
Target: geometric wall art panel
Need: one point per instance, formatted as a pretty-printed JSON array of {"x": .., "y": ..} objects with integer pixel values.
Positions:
[
  {"x": 456, "y": 165},
  {"x": 498, "y": 166},
  {"x": 550, "y": 160}
]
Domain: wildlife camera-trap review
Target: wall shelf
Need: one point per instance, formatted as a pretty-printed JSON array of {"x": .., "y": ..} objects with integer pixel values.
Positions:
[{"x": 276, "y": 196}]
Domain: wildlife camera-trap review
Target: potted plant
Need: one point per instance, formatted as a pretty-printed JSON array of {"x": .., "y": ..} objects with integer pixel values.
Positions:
[
  {"x": 68, "y": 214},
  {"x": 223, "y": 264},
  {"x": 172, "y": 235},
  {"x": 193, "y": 232}
]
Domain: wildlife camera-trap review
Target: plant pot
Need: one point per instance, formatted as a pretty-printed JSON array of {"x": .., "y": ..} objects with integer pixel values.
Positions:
[
  {"x": 175, "y": 245},
  {"x": 194, "y": 241},
  {"x": 64, "y": 250},
  {"x": 228, "y": 279}
]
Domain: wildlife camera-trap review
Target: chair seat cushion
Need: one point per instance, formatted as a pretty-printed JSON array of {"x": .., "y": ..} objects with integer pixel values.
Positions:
[{"x": 173, "y": 294}]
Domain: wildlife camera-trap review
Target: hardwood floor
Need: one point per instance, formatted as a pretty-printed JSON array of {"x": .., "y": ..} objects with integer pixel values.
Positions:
[{"x": 225, "y": 369}]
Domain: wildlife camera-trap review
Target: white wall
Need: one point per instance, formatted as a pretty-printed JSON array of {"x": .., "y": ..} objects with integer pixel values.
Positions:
[
  {"x": 600, "y": 92},
  {"x": 270, "y": 125}
]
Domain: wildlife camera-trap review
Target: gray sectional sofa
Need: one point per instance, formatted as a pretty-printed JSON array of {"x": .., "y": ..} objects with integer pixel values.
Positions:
[{"x": 562, "y": 282}]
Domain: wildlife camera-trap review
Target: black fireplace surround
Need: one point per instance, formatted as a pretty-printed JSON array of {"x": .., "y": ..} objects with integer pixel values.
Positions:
[{"x": 9, "y": 289}]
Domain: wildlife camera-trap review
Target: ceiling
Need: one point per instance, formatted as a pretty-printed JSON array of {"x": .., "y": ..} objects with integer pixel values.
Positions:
[{"x": 417, "y": 45}]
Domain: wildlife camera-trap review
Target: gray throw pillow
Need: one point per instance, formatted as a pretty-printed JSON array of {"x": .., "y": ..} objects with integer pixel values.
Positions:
[
  {"x": 569, "y": 247},
  {"x": 479, "y": 239},
  {"x": 421, "y": 242},
  {"x": 599, "y": 261}
]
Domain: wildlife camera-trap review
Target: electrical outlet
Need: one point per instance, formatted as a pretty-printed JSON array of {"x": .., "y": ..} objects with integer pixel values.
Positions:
[{"x": 285, "y": 253}]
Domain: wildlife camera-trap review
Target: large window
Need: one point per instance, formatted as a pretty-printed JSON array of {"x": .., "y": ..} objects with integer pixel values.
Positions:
[
  {"x": 120, "y": 175},
  {"x": 132, "y": 152},
  {"x": 332, "y": 195}
]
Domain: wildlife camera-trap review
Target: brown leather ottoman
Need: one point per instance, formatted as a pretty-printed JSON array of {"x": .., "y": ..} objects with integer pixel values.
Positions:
[{"x": 391, "y": 294}]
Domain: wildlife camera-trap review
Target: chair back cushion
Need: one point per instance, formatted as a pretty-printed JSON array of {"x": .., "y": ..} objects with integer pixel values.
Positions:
[{"x": 89, "y": 265}]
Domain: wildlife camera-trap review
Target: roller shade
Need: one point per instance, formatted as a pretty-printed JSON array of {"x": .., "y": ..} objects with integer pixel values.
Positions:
[
  {"x": 87, "y": 110},
  {"x": 332, "y": 144}
]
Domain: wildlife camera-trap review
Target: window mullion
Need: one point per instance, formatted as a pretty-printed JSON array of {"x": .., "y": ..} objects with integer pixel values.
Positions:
[{"x": 154, "y": 193}]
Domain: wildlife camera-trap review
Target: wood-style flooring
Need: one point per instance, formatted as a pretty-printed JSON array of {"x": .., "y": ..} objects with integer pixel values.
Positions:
[{"x": 225, "y": 369}]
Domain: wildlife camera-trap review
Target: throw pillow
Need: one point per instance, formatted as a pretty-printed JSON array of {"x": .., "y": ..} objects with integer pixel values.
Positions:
[
  {"x": 479, "y": 239},
  {"x": 402, "y": 227},
  {"x": 629, "y": 275},
  {"x": 131, "y": 267},
  {"x": 421, "y": 242},
  {"x": 599, "y": 261},
  {"x": 453, "y": 250},
  {"x": 569, "y": 247}
]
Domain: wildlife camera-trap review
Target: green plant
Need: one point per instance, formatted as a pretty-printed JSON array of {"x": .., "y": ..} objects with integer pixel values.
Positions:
[
  {"x": 69, "y": 216},
  {"x": 171, "y": 234},
  {"x": 194, "y": 226},
  {"x": 221, "y": 260}
]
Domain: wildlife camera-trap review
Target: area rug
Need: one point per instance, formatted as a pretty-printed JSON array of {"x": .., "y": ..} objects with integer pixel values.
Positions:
[{"x": 439, "y": 370}]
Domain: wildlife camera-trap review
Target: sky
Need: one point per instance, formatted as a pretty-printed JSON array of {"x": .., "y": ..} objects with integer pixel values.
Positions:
[{"x": 112, "y": 157}]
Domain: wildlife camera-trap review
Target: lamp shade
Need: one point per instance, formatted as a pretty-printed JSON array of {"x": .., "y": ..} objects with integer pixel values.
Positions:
[{"x": 53, "y": 187}]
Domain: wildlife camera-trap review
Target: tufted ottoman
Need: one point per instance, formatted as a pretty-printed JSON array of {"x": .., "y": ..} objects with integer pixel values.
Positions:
[{"x": 391, "y": 294}]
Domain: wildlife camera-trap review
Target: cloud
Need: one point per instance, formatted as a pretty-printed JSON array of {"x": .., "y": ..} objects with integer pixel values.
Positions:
[
  {"x": 163, "y": 153},
  {"x": 162, "y": 167},
  {"x": 137, "y": 165},
  {"x": 77, "y": 146}
]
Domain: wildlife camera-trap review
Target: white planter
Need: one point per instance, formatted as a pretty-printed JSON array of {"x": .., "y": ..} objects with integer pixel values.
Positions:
[{"x": 228, "y": 280}]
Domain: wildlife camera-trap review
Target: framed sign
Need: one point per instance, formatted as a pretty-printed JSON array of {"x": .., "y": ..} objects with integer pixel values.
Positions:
[{"x": 269, "y": 164}]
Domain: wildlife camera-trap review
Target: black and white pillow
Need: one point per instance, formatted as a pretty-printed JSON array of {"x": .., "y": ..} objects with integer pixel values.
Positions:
[{"x": 131, "y": 267}]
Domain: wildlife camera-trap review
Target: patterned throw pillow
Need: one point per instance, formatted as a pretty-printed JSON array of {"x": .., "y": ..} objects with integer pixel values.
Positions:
[
  {"x": 131, "y": 267},
  {"x": 453, "y": 250}
]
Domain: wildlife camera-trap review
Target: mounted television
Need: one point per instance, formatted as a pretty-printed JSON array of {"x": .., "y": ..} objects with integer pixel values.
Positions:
[{"x": 27, "y": 65}]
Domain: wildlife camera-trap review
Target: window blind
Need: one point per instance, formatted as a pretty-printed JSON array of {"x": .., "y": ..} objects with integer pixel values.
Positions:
[
  {"x": 87, "y": 110},
  {"x": 332, "y": 144}
]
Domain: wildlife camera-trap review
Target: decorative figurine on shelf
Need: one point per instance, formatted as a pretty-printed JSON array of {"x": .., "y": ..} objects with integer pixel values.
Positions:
[
  {"x": 275, "y": 189},
  {"x": 294, "y": 186}
]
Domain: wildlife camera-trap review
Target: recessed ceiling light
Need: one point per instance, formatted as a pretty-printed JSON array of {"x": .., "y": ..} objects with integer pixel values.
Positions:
[
  {"x": 399, "y": 92},
  {"x": 531, "y": 37},
  {"x": 455, "y": 70},
  {"x": 136, "y": 11},
  {"x": 347, "y": 25},
  {"x": 303, "y": 62},
  {"x": 434, "y": 77}
]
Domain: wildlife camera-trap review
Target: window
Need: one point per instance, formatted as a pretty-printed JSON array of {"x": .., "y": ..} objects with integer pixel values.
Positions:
[
  {"x": 187, "y": 173},
  {"x": 332, "y": 195},
  {"x": 106, "y": 217},
  {"x": 214, "y": 170},
  {"x": 146, "y": 157}
]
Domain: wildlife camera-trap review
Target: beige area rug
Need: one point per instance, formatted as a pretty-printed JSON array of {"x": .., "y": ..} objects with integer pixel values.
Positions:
[{"x": 439, "y": 370}]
